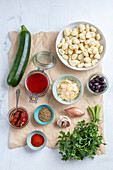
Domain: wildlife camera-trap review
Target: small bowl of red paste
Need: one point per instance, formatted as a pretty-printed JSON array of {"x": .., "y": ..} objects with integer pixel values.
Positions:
[
  {"x": 19, "y": 119},
  {"x": 36, "y": 140}
]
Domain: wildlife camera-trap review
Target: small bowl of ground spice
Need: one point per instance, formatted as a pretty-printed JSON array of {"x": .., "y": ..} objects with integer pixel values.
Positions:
[
  {"x": 44, "y": 114},
  {"x": 36, "y": 140}
]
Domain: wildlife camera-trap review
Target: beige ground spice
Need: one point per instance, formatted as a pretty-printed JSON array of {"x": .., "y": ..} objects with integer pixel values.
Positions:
[{"x": 45, "y": 114}]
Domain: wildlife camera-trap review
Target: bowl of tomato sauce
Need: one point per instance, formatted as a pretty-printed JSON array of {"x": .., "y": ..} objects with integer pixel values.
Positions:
[
  {"x": 36, "y": 140},
  {"x": 20, "y": 119},
  {"x": 37, "y": 81}
]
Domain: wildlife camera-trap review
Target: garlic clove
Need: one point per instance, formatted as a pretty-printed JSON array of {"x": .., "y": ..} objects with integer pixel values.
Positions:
[
  {"x": 63, "y": 121},
  {"x": 68, "y": 124}
]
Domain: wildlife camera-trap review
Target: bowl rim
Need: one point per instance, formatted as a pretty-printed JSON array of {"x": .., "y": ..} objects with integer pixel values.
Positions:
[
  {"x": 37, "y": 132},
  {"x": 80, "y": 94},
  {"x": 97, "y": 74},
  {"x": 39, "y": 121},
  {"x": 19, "y": 107},
  {"x": 75, "y": 68}
]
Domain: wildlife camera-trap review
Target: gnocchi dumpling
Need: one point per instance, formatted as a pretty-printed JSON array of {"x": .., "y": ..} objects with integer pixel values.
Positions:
[
  {"x": 86, "y": 47},
  {"x": 87, "y": 28},
  {"x": 69, "y": 42},
  {"x": 76, "y": 47},
  {"x": 81, "y": 46},
  {"x": 75, "y": 40},
  {"x": 91, "y": 56},
  {"x": 87, "y": 65},
  {"x": 97, "y": 37},
  {"x": 80, "y": 56},
  {"x": 97, "y": 44},
  {"x": 72, "y": 47},
  {"x": 74, "y": 56},
  {"x": 81, "y": 27},
  {"x": 97, "y": 56},
  {"x": 80, "y": 65},
  {"x": 95, "y": 50},
  {"x": 93, "y": 29},
  {"x": 94, "y": 62},
  {"x": 92, "y": 42},
  {"x": 74, "y": 62},
  {"x": 59, "y": 45},
  {"x": 90, "y": 51},
  {"x": 61, "y": 52},
  {"x": 74, "y": 33},
  {"x": 78, "y": 52},
  {"x": 87, "y": 60},
  {"x": 65, "y": 57},
  {"x": 85, "y": 52},
  {"x": 82, "y": 36},
  {"x": 66, "y": 32},
  {"x": 88, "y": 35},
  {"x": 70, "y": 51},
  {"x": 64, "y": 46},
  {"x": 100, "y": 49}
]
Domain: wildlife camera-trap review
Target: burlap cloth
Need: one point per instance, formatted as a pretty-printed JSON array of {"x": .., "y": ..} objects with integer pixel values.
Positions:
[{"x": 45, "y": 41}]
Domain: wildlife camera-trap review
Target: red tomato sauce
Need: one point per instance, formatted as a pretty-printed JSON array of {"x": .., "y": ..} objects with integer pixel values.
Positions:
[
  {"x": 37, "y": 140},
  {"x": 37, "y": 83}
]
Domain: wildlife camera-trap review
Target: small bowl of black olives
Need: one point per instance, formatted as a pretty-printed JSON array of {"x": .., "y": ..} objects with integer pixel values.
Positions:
[{"x": 97, "y": 83}]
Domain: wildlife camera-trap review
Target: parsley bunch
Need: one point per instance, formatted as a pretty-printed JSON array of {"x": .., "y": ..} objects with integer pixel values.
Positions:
[{"x": 84, "y": 141}]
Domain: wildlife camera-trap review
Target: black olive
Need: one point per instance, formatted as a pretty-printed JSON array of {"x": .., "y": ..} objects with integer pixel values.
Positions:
[
  {"x": 96, "y": 91},
  {"x": 104, "y": 86},
  {"x": 98, "y": 87},
  {"x": 90, "y": 84},
  {"x": 96, "y": 84},
  {"x": 101, "y": 78},
  {"x": 93, "y": 88},
  {"x": 101, "y": 89},
  {"x": 97, "y": 77},
  {"x": 103, "y": 82},
  {"x": 92, "y": 81}
]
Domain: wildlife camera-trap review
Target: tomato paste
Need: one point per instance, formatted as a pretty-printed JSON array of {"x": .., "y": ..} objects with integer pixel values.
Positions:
[
  {"x": 37, "y": 83},
  {"x": 37, "y": 140}
]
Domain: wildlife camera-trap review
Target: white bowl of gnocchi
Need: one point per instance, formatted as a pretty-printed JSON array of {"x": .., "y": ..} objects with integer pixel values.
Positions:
[{"x": 80, "y": 46}]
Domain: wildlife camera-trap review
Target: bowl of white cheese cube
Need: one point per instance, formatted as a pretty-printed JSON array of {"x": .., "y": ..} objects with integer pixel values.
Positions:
[{"x": 80, "y": 46}]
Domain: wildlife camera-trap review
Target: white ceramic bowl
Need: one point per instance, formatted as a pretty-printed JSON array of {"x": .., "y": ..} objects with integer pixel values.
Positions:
[{"x": 73, "y": 25}]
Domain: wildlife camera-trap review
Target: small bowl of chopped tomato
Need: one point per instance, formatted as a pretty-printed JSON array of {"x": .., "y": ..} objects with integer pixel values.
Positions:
[
  {"x": 36, "y": 140},
  {"x": 20, "y": 119}
]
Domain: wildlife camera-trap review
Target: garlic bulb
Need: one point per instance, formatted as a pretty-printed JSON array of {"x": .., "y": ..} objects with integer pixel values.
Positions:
[{"x": 64, "y": 121}]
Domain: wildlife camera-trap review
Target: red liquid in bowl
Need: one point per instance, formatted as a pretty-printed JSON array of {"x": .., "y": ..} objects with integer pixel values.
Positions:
[{"x": 37, "y": 83}]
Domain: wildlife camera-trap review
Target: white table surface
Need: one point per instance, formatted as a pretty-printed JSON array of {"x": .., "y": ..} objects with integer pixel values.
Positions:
[{"x": 52, "y": 15}]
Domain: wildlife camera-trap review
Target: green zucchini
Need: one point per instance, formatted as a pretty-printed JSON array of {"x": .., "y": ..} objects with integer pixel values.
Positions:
[{"x": 21, "y": 58}]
